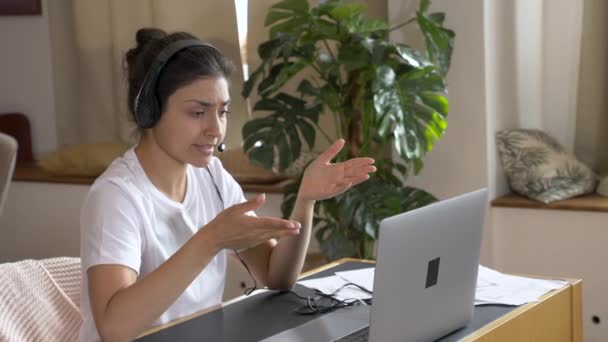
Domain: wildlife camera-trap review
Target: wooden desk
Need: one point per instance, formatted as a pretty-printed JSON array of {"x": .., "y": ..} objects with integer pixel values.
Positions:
[{"x": 556, "y": 318}]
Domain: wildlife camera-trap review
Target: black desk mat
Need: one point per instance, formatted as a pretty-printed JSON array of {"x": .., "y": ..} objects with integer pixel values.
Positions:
[{"x": 266, "y": 314}]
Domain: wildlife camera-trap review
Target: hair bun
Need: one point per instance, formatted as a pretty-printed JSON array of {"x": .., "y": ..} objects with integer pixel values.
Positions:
[
  {"x": 146, "y": 35},
  {"x": 143, "y": 37}
]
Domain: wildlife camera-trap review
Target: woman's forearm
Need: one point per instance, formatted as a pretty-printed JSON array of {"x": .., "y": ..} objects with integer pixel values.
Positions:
[
  {"x": 133, "y": 309},
  {"x": 288, "y": 256}
]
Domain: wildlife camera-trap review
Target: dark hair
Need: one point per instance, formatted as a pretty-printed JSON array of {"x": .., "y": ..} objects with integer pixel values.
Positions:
[{"x": 182, "y": 69}]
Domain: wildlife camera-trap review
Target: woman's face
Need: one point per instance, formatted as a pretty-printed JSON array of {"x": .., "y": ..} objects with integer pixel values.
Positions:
[{"x": 194, "y": 121}]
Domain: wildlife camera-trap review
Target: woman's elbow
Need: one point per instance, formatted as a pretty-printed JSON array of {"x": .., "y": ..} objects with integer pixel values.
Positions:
[
  {"x": 285, "y": 284},
  {"x": 112, "y": 333}
]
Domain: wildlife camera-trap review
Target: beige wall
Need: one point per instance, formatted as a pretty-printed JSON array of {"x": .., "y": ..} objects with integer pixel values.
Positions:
[
  {"x": 375, "y": 9},
  {"x": 592, "y": 115},
  {"x": 27, "y": 82}
]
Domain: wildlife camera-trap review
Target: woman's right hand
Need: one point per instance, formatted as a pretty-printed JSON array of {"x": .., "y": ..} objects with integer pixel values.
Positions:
[{"x": 234, "y": 229}]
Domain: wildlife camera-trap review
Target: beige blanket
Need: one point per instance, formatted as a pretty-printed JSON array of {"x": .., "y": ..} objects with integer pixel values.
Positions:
[{"x": 39, "y": 300}]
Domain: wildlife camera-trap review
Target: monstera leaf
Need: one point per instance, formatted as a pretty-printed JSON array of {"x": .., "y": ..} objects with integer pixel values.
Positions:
[{"x": 381, "y": 95}]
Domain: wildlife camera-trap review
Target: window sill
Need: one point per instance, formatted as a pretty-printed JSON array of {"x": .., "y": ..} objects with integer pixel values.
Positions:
[
  {"x": 33, "y": 173},
  {"x": 591, "y": 202}
]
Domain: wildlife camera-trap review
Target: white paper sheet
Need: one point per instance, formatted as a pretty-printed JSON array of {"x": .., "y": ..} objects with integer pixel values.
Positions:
[
  {"x": 497, "y": 288},
  {"x": 363, "y": 277},
  {"x": 492, "y": 287},
  {"x": 332, "y": 284}
]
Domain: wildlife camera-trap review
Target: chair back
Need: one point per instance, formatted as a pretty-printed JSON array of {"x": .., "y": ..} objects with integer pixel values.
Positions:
[{"x": 8, "y": 156}]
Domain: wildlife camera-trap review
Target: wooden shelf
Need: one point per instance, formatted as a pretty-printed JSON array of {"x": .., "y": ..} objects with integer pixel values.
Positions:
[
  {"x": 33, "y": 173},
  {"x": 592, "y": 202}
]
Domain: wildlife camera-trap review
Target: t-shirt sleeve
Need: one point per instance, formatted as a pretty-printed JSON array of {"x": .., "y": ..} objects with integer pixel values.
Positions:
[{"x": 110, "y": 228}]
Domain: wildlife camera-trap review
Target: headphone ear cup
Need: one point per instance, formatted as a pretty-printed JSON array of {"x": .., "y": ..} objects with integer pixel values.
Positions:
[
  {"x": 155, "y": 111},
  {"x": 142, "y": 116},
  {"x": 147, "y": 105},
  {"x": 148, "y": 108}
]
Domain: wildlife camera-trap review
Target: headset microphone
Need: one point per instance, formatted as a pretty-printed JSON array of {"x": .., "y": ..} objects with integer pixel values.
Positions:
[{"x": 221, "y": 147}]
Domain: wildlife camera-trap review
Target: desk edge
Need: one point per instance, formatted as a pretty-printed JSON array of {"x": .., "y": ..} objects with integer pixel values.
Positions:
[{"x": 213, "y": 308}]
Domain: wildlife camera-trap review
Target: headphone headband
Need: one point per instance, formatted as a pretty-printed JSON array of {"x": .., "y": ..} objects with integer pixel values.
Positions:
[{"x": 146, "y": 106}]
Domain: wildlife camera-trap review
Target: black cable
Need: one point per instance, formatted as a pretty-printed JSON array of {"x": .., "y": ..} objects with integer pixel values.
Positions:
[
  {"x": 314, "y": 305},
  {"x": 217, "y": 190},
  {"x": 249, "y": 290}
]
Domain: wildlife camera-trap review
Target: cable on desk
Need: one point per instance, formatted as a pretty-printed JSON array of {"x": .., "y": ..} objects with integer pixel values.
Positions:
[{"x": 315, "y": 305}]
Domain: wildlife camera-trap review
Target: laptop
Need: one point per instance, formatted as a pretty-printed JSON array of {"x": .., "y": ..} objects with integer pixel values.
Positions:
[{"x": 424, "y": 282}]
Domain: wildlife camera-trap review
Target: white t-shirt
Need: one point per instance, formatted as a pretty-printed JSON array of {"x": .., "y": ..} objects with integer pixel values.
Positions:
[{"x": 126, "y": 220}]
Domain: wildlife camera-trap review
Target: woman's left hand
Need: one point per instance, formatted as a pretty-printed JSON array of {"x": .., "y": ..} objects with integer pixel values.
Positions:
[{"x": 323, "y": 180}]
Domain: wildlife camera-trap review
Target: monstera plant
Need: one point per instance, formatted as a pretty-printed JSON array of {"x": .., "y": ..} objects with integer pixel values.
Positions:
[{"x": 385, "y": 98}]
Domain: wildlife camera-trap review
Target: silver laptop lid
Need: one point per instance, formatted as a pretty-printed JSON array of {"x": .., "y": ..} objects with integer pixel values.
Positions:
[{"x": 426, "y": 272}]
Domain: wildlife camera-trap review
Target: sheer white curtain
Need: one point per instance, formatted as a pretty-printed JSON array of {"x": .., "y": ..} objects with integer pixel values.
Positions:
[
  {"x": 89, "y": 39},
  {"x": 591, "y": 117},
  {"x": 532, "y": 62},
  {"x": 548, "y": 48}
]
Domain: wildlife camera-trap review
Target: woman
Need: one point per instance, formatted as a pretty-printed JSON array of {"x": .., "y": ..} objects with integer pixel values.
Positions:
[{"x": 158, "y": 225}]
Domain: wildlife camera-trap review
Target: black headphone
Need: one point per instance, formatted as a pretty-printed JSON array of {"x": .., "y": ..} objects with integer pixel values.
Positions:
[{"x": 146, "y": 107}]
